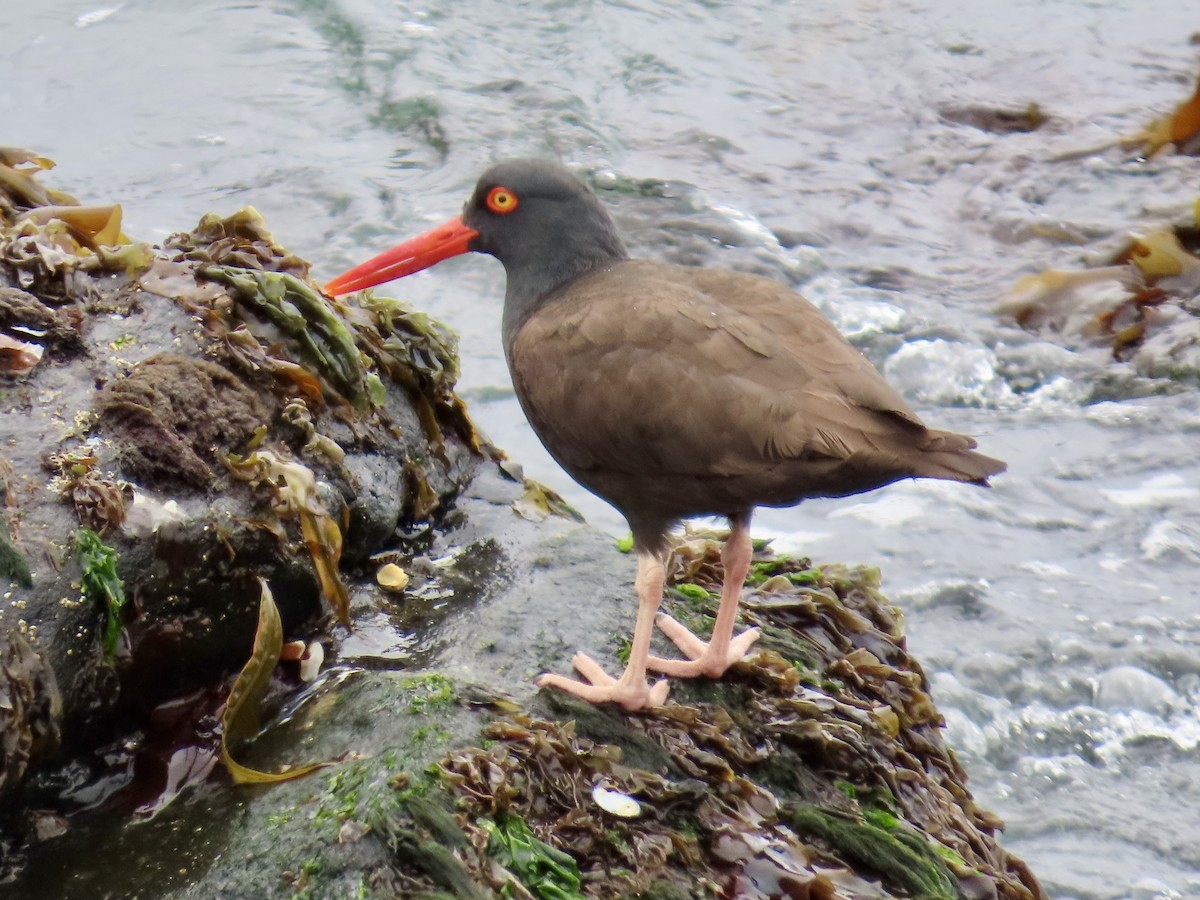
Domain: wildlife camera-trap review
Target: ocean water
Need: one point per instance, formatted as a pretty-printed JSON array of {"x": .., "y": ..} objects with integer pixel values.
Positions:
[{"x": 824, "y": 143}]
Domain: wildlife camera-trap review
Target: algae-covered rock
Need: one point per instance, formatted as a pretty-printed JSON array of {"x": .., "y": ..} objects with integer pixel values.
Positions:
[
  {"x": 30, "y": 707},
  {"x": 210, "y": 418},
  {"x": 170, "y": 412},
  {"x": 815, "y": 768}
]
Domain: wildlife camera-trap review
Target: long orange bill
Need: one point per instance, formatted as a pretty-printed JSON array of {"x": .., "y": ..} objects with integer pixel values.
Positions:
[{"x": 448, "y": 239}]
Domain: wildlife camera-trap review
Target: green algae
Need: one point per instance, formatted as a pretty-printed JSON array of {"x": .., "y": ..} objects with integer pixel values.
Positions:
[
  {"x": 624, "y": 646},
  {"x": 911, "y": 864},
  {"x": 417, "y": 341},
  {"x": 603, "y": 726},
  {"x": 548, "y": 872},
  {"x": 301, "y": 312},
  {"x": 101, "y": 584},
  {"x": 349, "y": 789},
  {"x": 428, "y": 692},
  {"x": 413, "y": 817},
  {"x": 421, "y": 832},
  {"x": 881, "y": 818},
  {"x": 13, "y": 565},
  {"x": 695, "y": 592}
]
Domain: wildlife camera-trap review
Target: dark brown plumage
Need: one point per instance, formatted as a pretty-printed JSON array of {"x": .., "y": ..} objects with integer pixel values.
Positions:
[{"x": 673, "y": 392}]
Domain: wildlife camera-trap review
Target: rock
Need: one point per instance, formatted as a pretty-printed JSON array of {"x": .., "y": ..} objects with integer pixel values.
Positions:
[
  {"x": 995, "y": 119},
  {"x": 818, "y": 762},
  {"x": 30, "y": 708},
  {"x": 1126, "y": 688},
  {"x": 191, "y": 379},
  {"x": 170, "y": 415}
]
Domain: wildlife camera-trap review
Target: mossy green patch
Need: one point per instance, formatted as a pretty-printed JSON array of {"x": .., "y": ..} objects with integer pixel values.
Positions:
[
  {"x": 13, "y": 565},
  {"x": 731, "y": 696},
  {"x": 881, "y": 818},
  {"x": 428, "y": 692},
  {"x": 797, "y": 570},
  {"x": 914, "y": 865},
  {"x": 951, "y": 857},
  {"x": 345, "y": 790},
  {"x": 696, "y": 593},
  {"x": 624, "y": 647},
  {"x": 792, "y": 646},
  {"x": 101, "y": 583},
  {"x": 794, "y": 778},
  {"x": 430, "y": 734},
  {"x": 693, "y": 613},
  {"x": 420, "y": 831},
  {"x": 806, "y": 576},
  {"x": 410, "y": 815},
  {"x": 607, "y": 727}
]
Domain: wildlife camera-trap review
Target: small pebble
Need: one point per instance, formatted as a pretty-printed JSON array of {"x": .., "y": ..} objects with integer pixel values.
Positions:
[{"x": 391, "y": 577}]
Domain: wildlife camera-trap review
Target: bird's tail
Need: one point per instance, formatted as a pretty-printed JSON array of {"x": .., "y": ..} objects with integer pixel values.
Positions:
[{"x": 952, "y": 457}]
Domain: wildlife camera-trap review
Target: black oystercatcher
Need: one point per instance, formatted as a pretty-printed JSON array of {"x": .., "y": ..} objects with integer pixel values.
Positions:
[{"x": 673, "y": 392}]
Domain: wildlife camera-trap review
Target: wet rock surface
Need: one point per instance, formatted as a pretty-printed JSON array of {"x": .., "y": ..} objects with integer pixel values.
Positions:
[
  {"x": 140, "y": 396},
  {"x": 816, "y": 768},
  {"x": 168, "y": 413}
]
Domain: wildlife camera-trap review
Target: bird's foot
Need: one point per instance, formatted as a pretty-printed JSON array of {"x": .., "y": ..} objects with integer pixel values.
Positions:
[
  {"x": 703, "y": 657},
  {"x": 631, "y": 690}
]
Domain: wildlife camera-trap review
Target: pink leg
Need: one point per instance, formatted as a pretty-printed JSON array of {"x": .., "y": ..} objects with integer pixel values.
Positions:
[
  {"x": 722, "y": 650},
  {"x": 631, "y": 690}
]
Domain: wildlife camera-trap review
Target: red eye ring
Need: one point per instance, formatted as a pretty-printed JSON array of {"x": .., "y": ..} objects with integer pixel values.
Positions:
[{"x": 501, "y": 200}]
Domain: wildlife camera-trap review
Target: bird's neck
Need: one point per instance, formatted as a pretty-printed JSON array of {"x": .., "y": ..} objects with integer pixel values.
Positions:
[{"x": 531, "y": 285}]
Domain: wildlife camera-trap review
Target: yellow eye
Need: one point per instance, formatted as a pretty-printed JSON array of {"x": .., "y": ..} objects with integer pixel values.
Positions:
[{"x": 501, "y": 200}]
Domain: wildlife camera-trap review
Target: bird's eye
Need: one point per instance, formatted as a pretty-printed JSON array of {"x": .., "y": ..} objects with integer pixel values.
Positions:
[{"x": 501, "y": 200}]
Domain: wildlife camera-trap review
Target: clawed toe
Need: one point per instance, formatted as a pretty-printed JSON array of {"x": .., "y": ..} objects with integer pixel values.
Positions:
[
  {"x": 631, "y": 691},
  {"x": 704, "y": 657}
]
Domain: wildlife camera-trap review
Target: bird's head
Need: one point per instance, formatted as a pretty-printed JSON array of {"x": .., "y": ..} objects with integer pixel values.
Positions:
[{"x": 538, "y": 219}]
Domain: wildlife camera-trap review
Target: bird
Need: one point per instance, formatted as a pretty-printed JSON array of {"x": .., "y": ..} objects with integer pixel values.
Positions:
[{"x": 673, "y": 392}]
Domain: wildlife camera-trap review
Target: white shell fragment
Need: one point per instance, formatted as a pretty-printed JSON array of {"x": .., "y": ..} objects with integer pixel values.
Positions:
[
  {"x": 147, "y": 516},
  {"x": 391, "y": 577},
  {"x": 616, "y": 803},
  {"x": 310, "y": 662}
]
